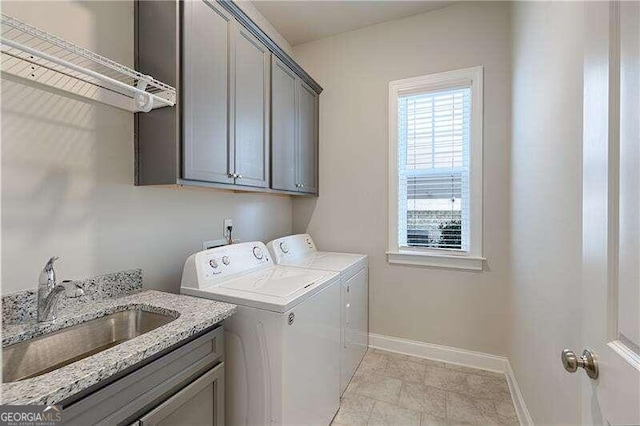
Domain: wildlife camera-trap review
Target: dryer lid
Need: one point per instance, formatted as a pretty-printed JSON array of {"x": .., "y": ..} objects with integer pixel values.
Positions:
[{"x": 325, "y": 260}]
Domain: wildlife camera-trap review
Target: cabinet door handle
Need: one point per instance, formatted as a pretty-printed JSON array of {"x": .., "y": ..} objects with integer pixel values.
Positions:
[
  {"x": 239, "y": 176},
  {"x": 233, "y": 175}
]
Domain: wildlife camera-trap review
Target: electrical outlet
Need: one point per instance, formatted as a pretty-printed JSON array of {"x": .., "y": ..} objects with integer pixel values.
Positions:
[{"x": 225, "y": 228}]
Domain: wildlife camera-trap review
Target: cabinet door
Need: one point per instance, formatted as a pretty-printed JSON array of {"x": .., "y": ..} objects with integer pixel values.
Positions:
[
  {"x": 200, "y": 403},
  {"x": 307, "y": 139},
  {"x": 250, "y": 99},
  {"x": 355, "y": 318},
  {"x": 205, "y": 67},
  {"x": 283, "y": 127}
]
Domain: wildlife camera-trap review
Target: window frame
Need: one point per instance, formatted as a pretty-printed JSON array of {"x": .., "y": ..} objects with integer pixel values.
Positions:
[{"x": 473, "y": 259}]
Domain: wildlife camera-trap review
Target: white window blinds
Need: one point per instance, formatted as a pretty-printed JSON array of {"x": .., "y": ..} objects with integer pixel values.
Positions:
[{"x": 433, "y": 169}]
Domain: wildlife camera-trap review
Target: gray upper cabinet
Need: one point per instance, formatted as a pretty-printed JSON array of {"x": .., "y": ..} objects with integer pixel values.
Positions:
[
  {"x": 307, "y": 139},
  {"x": 246, "y": 116},
  {"x": 226, "y": 99},
  {"x": 250, "y": 116},
  {"x": 294, "y": 137},
  {"x": 207, "y": 153},
  {"x": 284, "y": 155}
]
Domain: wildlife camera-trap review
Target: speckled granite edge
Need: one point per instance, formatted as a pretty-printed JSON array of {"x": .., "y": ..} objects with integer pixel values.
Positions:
[
  {"x": 20, "y": 307},
  {"x": 16, "y": 333},
  {"x": 194, "y": 315}
]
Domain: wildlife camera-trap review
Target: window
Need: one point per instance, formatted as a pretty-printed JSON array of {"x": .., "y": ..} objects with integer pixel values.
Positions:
[{"x": 435, "y": 150}]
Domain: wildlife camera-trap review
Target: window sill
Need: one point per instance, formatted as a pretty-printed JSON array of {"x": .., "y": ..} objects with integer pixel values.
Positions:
[{"x": 405, "y": 257}]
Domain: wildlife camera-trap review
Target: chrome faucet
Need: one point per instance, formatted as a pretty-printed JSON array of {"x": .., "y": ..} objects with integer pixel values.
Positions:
[{"x": 49, "y": 292}]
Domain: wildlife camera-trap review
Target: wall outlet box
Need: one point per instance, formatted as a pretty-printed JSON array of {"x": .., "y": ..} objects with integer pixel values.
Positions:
[
  {"x": 227, "y": 224},
  {"x": 206, "y": 245}
]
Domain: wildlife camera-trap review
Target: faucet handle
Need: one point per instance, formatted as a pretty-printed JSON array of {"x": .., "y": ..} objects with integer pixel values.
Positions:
[
  {"x": 48, "y": 274},
  {"x": 72, "y": 289}
]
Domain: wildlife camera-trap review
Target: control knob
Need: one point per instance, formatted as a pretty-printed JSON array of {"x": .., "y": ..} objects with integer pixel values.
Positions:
[{"x": 257, "y": 252}]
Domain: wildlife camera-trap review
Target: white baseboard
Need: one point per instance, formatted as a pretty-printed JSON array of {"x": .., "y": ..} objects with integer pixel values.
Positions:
[
  {"x": 518, "y": 400},
  {"x": 441, "y": 353},
  {"x": 480, "y": 360}
]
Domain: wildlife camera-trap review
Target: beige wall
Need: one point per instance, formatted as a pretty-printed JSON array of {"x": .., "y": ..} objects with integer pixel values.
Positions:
[
  {"x": 456, "y": 308},
  {"x": 546, "y": 205},
  {"x": 67, "y": 175}
]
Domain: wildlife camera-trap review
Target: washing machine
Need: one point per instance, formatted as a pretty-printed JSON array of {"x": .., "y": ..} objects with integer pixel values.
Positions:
[
  {"x": 300, "y": 251},
  {"x": 282, "y": 347}
]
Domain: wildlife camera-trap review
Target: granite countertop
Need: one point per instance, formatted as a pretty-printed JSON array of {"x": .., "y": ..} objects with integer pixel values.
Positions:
[{"x": 193, "y": 315}]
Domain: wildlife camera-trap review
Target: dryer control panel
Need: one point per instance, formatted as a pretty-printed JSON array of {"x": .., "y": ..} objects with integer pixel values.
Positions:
[
  {"x": 291, "y": 246},
  {"x": 212, "y": 266}
]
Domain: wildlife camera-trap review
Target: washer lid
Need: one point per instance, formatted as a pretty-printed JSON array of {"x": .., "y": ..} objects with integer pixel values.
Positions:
[
  {"x": 275, "y": 288},
  {"x": 278, "y": 282}
]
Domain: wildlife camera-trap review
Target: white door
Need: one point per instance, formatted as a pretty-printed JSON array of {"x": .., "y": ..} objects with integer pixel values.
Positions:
[{"x": 611, "y": 213}]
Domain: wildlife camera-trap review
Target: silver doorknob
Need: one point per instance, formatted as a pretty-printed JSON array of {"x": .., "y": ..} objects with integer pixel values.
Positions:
[{"x": 587, "y": 361}]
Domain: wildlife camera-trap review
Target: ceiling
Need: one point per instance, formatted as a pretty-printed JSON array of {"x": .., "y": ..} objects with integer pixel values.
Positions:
[{"x": 302, "y": 21}]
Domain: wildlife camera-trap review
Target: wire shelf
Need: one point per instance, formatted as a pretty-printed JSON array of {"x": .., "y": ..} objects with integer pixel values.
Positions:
[{"x": 36, "y": 55}]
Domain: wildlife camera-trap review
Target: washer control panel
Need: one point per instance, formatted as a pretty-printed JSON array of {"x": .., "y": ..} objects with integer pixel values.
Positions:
[
  {"x": 258, "y": 253},
  {"x": 222, "y": 263}
]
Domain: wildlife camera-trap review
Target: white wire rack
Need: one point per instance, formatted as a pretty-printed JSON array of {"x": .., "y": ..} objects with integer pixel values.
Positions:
[{"x": 36, "y": 55}]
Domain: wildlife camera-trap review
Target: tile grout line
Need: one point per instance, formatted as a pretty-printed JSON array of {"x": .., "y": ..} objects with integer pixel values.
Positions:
[
  {"x": 383, "y": 372},
  {"x": 371, "y": 411},
  {"x": 446, "y": 413}
]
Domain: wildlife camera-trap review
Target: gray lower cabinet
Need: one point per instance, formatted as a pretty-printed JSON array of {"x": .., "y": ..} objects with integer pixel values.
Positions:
[
  {"x": 294, "y": 137},
  {"x": 200, "y": 403},
  {"x": 182, "y": 387}
]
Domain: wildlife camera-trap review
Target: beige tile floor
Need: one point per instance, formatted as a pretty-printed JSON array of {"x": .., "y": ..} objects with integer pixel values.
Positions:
[{"x": 398, "y": 390}]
